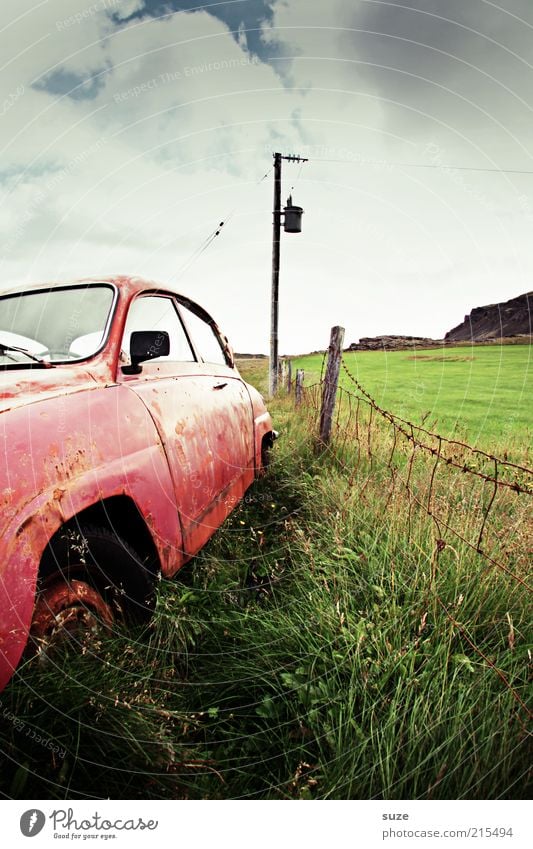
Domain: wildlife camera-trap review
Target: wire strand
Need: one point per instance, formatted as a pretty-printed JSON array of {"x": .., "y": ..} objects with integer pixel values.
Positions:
[
  {"x": 425, "y": 165},
  {"x": 208, "y": 241}
]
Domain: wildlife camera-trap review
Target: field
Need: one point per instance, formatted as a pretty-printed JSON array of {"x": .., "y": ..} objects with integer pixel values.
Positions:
[
  {"x": 321, "y": 646},
  {"x": 482, "y": 394}
]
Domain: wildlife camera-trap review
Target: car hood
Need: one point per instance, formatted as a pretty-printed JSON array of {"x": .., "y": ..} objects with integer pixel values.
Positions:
[{"x": 26, "y": 386}]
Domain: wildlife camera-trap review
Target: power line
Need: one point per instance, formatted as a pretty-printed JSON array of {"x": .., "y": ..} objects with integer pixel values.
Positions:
[
  {"x": 424, "y": 165},
  {"x": 208, "y": 241},
  {"x": 372, "y": 162}
]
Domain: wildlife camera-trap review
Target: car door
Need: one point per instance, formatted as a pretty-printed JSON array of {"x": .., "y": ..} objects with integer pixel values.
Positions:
[
  {"x": 231, "y": 436},
  {"x": 178, "y": 397}
]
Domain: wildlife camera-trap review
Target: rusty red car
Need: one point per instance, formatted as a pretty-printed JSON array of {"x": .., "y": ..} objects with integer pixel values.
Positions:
[{"x": 127, "y": 436}]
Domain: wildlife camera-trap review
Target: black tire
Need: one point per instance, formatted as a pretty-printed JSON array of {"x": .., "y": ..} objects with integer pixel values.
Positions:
[
  {"x": 266, "y": 451},
  {"x": 107, "y": 564}
]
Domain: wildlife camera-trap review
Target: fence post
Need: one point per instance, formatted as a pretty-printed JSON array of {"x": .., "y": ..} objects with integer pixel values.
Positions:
[
  {"x": 331, "y": 381},
  {"x": 289, "y": 376},
  {"x": 299, "y": 385}
]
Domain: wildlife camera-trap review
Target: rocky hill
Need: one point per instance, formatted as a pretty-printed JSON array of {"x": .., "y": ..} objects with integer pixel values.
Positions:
[
  {"x": 393, "y": 343},
  {"x": 511, "y": 318}
]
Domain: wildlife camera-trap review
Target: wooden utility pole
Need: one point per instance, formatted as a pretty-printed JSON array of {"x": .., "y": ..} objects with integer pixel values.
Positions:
[
  {"x": 273, "y": 381},
  {"x": 274, "y": 309},
  {"x": 331, "y": 382}
]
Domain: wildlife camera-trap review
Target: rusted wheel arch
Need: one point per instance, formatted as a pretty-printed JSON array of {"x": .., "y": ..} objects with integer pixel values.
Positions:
[{"x": 90, "y": 577}]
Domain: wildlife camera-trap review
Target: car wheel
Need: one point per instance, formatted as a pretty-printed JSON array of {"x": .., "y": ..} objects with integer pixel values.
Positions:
[
  {"x": 90, "y": 578},
  {"x": 69, "y": 607},
  {"x": 266, "y": 449}
]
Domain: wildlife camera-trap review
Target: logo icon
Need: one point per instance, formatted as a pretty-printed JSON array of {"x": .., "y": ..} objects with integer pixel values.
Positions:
[{"x": 32, "y": 822}]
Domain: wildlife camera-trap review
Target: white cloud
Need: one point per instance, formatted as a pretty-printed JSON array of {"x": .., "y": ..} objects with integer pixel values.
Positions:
[{"x": 177, "y": 135}]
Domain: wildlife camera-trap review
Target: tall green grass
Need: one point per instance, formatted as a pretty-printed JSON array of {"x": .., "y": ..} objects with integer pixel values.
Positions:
[
  {"x": 478, "y": 393},
  {"x": 303, "y": 654}
]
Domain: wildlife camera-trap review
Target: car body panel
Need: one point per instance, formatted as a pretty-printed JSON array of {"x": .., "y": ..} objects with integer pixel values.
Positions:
[
  {"x": 181, "y": 441},
  {"x": 195, "y": 419}
]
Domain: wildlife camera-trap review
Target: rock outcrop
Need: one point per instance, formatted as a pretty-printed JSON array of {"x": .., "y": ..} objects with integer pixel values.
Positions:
[
  {"x": 495, "y": 321},
  {"x": 512, "y": 318},
  {"x": 393, "y": 343}
]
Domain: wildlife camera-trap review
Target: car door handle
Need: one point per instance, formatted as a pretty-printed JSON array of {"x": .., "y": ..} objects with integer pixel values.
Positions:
[{"x": 219, "y": 385}]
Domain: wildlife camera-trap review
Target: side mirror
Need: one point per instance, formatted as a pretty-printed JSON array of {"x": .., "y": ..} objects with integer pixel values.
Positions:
[{"x": 146, "y": 345}]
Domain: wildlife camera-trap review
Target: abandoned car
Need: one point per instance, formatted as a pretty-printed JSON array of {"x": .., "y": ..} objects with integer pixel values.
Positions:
[{"x": 126, "y": 437}]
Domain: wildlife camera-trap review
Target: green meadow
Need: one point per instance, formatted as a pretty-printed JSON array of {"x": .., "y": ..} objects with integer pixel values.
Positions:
[
  {"x": 482, "y": 394},
  {"x": 321, "y": 646}
]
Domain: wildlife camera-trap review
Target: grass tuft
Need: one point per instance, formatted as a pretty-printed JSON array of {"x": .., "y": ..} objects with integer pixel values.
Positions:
[{"x": 303, "y": 654}]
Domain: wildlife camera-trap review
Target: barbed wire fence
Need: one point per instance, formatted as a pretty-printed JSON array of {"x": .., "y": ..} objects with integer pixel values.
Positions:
[{"x": 472, "y": 499}]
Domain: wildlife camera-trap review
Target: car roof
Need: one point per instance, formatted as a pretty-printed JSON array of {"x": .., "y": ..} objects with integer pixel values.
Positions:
[{"x": 125, "y": 283}]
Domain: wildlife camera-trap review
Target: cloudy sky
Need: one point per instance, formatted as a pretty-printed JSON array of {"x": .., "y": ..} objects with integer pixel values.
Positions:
[{"x": 131, "y": 128}]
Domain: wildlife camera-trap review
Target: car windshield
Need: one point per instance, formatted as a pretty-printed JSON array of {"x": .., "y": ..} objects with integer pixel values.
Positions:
[{"x": 54, "y": 325}]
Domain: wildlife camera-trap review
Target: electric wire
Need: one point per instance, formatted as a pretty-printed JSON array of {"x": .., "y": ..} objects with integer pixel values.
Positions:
[
  {"x": 208, "y": 241},
  {"x": 436, "y": 166}
]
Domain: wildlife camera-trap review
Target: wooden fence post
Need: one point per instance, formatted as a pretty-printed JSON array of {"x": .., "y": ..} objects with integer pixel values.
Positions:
[
  {"x": 289, "y": 376},
  {"x": 331, "y": 381},
  {"x": 299, "y": 385}
]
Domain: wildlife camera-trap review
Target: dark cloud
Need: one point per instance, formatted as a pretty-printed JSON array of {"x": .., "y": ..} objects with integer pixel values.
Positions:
[
  {"x": 417, "y": 49},
  {"x": 241, "y": 16},
  {"x": 77, "y": 87}
]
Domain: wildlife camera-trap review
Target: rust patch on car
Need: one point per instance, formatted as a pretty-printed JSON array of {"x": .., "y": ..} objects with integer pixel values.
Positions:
[{"x": 82, "y": 433}]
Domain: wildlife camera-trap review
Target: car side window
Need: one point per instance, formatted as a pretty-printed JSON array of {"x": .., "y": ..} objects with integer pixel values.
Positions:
[
  {"x": 203, "y": 337},
  {"x": 158, "y": 312}
]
